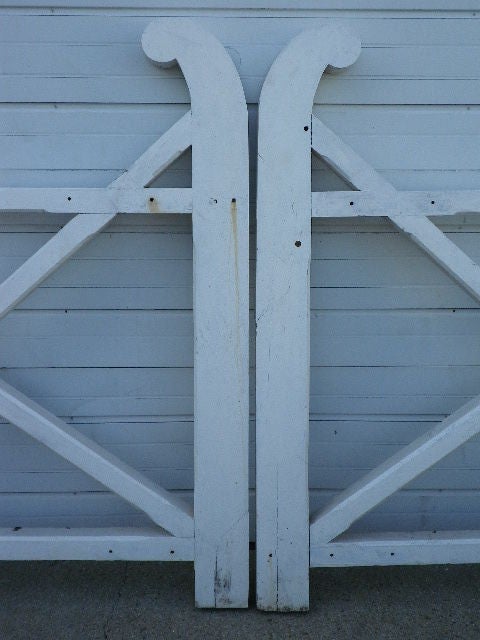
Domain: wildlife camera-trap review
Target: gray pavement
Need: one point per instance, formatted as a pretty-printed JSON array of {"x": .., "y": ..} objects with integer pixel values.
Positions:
[{"x": 142, "y": 601}]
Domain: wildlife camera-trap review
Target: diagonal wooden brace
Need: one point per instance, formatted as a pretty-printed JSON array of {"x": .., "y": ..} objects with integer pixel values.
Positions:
[
  {"x": 82, "y": 228},
  {"x": 396, "y": 472},
  {"x": 167, "y": 511},
  {"x": 357, "y": 172},
  {"x": 424, "y": 452}
]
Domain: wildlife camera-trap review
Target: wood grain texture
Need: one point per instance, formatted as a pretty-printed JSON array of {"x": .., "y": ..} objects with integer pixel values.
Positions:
[
  {"x": 113, "y": 543},
  {"x": 393, "y": 549},
  {"x": 282, "y": 312},
  {"x": 165, "y": 510},
  {"x": 395, "y": 473},
  {"x": 364, "y": 270},
  {"x": 220, "y": 267}
]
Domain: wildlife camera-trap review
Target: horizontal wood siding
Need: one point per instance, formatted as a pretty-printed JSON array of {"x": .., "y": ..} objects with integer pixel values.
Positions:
[{"x": 106, "y": 342}]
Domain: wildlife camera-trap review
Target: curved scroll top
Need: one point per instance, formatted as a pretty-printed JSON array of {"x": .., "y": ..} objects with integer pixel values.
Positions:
[
  {"x": 294, "y": 76},
  {"x": 203, "y": 59}
]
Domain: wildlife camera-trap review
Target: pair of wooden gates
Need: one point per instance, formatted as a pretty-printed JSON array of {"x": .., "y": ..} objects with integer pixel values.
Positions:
[{"x": 215, "y": 533}]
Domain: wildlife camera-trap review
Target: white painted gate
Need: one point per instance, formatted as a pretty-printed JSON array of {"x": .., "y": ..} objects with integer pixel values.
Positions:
[
  {"x": 215, "y": 533},
  {"x": 287, "y": 543}
]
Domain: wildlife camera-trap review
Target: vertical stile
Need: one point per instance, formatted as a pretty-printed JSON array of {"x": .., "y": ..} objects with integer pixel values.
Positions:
[
  {"x": 283, "y": 312},
  {"x": 220, "y": 263}
]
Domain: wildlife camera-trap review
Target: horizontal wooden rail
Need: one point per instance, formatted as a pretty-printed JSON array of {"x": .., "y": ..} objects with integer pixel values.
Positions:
[
  {"x": 114, "y": 543},
  {"x": 349, "y": 204},
  {"x": 362, "y": 550},
  {"x": 110, "y": 200}
]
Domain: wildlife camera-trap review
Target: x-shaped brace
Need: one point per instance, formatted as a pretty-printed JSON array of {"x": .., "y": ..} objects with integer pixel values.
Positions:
[{"x": 287, "y": 135}]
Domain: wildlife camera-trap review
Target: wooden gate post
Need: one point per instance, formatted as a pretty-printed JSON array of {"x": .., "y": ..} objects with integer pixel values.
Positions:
[
  {"x": 283, "y": 311},
  {"x": 220, "y": 271}
]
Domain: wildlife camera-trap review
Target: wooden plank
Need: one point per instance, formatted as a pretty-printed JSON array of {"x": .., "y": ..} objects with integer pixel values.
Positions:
[
  {"x": 395, "y": 472},
  {"x": 361, "y": 175},
  {"x": 254, "y": 58},
  {"x": 220, "y": 264},
  {"x": 445, "y": 253},
  {"x": 374, "y": 29},
  {"x": 98, "y": 348},
  {"x": 47, "y": 259},
  {"x": 416, "y": 509},
  {"x": 416, "y": 204},
  {"x": 283, "y": 261},
  {"x": 111, "y": 200},
  {"x": 411, "y": 510},
  {"x": 115, "y": 90},
  {"x": 341, "y": 157},
  {"x": 149, "y": 236},
  {"x": 270, "y": 7},
  {"x": 387, "y": 549},
  {"x": 164, "y": 509},
  {"x": 134, "y": 544},
  {"x": 90, "y": 150},
  {"x": 322, "y": 179},
  {"x": 425, "y": 451},
  {"x": 396, "y": 297},
  {"x": 155, "y": 391},
  {"x": 162, "y": 153},
  {"x": 80, "y": 230}
]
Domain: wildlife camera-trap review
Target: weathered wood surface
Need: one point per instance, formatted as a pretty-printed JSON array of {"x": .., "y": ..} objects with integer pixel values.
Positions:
[
  {"x": 282, "y": 312},
  {"x": 410, "y": 58},
  {"x": 220, "y": 265},
  {"x": 115, "y": 199},
  {"x": 114, "y": 543},
  {"x": 164, "y": 509},
  {"x": 460, "y": 426},
  {"x": 395, "y": 473},
  {"x": 349, "y": 204},
  {"x": 220, "y": 272},
  {"x": 78, "y": 231},
  {"x": 409, "y": 462},
  {"x": 49, "y": 257},
  {"x": 425, "y": 547},
  {"x": 380, "y": 306},
  {"x": 359, "y": 173}
]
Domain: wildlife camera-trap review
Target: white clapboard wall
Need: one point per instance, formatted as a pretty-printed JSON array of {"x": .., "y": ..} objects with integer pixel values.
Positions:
[{"x": 106, "y": 342}]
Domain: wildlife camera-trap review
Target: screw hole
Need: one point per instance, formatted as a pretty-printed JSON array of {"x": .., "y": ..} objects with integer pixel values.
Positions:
[
  {"x": 69, "y": 198},
  {"x": 234, "y": 199},
  {"x": 432, "y": 202},
  {"x": 152, "y": 199},
  {"x": 172, "y": 551},
  {"x": 110, "y": 551},
  {"x": 351, "y": 203},
  {"x": 298, "y": 243},
  {"x": 270, "y": 555},
  {"x": 331, "y": 555},
  {"x": 392, "y": 553},
  {"x": 305, "y": 128}
]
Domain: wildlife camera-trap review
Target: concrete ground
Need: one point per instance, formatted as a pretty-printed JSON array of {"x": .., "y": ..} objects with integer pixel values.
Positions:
[{"x": 120, "y": 601}]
